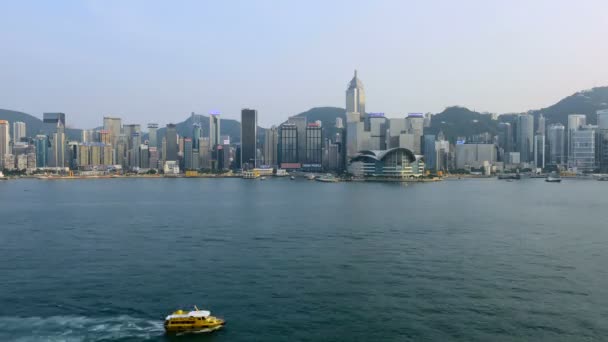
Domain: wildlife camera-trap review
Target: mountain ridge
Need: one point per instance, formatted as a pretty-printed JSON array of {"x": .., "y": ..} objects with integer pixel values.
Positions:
[{"x": 453, "y": 121}]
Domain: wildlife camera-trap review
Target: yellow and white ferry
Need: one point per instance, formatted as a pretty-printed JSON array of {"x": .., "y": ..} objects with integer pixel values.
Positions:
[{"x": 194, "y": 321}]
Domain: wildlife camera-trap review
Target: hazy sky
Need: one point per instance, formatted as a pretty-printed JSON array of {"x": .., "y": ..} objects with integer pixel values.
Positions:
[{"x": 158, "y": 61}]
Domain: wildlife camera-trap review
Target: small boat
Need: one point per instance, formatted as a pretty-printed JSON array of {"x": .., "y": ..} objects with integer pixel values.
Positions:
[
  {"x": 509, "y": 176},
  {"x": 553, "y": 177},
  {"x": 281, "y": 173},
  {"x": 292, "y": 178},
  {"x": 328, "y": 178},
  {"x": 601, "y": 177},
  {"x": 263, "y": 178},
  {"x": 190, "y": 322},
  {"x": 310, "y": 176},
  {"x": 2, "y": 176}
]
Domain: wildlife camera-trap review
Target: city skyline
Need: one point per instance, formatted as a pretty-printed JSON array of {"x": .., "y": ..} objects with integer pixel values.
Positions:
[{"x": 115, "y": 59}]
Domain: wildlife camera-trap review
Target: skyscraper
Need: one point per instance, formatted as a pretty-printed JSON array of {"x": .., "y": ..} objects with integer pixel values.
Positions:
[
  {"x": 249, "y": 124},
  {"x": 415, "y": 126},
  {"x": 356, "y": 137},
  {"x": 113, "y": 126},
  {"x": 58, "y": 147},
  {"x": 4, "y": 142},
  {"x": 188, "y": 154},
  {"x": 271, "y": 141},
  {"x": 505, "y": 139},
  {"x": 541, "y": 125},
  {"x": 525, "y": 138},
  {"x": 42, "y": 146},
  {"x": 355, "y": 97},
  {"x": 18, "y": 131},
  {"x": 539, "y": 151},
  {"x": 377, "y": 131},
  {"x": 196, "y": 135},
  {"x": 339, "y": 123},
  {"x": 214, "y": 129},
  {"x": 575, "y": 122},
  {"x": 288, "y": 146},
  {"x": 602, "y": 123},
  {"x": 171, "y": 141},
  {"x": 583, "y": 148},
  {"x": 556, "y": 145},
  {"x": 52, "y": 122},
  {"x": 152, "y": 135},
  {"x": 300, "y": 123},
  {"x": 104, "y": 137},
  {"x": 430, "y": 153},
  {"x": 314, "y": 147},
  {"x": 88, "y": 135}
]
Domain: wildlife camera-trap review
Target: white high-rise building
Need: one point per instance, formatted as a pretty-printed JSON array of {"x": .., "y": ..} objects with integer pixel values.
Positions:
[
  {"x": 88, "y": 135},
  {"x": 339, "y": 123},
  {"x": 214, "y": 129},
  {"x": 355, "y": 97},
  {"x": 114, "y": 126},
  {"x": 356, "y": 136},
  {"x": 271, "y": 141},
  {"x": 583, "y": 149},
  {"x": 539, "y": 151},
  {"x": 4, "y": 141},
  {"x": 415, "y": 126},
  {"x": 555, "y": 140},
  {"x": 575, "y": 122},
  {"x": 18, "y": 131}
]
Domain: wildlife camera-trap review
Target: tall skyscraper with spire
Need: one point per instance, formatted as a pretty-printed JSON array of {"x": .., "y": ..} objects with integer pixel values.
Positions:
[
  {"x": 357, "y": 137},
  {"x": 355, "y": 98}
]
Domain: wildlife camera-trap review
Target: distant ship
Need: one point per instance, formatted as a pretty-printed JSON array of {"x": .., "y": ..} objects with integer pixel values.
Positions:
[
  {"x": 553, "y": 177},
  {"x": 282, "y": 173},
  {"x": 194, "y": 321},
  {"x": 601, "y": 177},
  {"x": 328, "y": 178},
  {"x": 509, "y": 176}
]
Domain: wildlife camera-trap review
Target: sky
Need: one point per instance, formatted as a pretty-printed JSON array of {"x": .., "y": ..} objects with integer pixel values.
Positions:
[{"x": 158, "y": 61}]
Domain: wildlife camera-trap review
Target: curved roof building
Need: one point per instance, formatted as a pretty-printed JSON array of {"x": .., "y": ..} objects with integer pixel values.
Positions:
[{"x": 396, "y": 162}]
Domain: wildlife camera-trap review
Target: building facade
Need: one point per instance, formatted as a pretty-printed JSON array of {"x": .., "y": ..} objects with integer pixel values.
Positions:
[
  {"x": 393, "y": 164},
  {"x": 556, "y": 145},
  {"x": 314, "y": 148},
  {"x": 171, "y": 141},
  {"x": 19, "y": 131},
  {"x": 271, "y": 142},
  {"x": 583, "y": 149},
  {"x": 4, "y": 142},
  {"x": 288, "y": 147},
  {"x": 249, "y": 138},
  {"x": 525, "y": 138}
]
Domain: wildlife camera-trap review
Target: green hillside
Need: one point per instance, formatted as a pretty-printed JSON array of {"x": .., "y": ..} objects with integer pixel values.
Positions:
[
  {"x": 327, "y": 116},
  {"x": 33, "y": 125},
  {"x": 459, "y": 121},
  {"x": 586, "y": 102}
]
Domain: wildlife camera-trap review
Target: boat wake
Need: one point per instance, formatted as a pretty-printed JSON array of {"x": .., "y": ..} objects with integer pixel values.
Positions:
[{"x": 78, "y": 328}]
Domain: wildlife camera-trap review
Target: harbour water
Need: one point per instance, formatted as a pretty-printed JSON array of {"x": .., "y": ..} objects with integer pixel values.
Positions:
[{"x": 281, "y": 260}]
